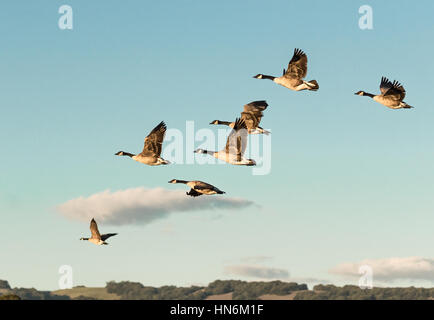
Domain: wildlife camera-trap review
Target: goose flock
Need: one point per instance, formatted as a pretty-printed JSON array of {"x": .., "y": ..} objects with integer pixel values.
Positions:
[{"x": 392, "y": 96}]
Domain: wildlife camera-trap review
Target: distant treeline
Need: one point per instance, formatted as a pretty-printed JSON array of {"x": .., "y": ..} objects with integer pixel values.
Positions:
[
  {"x": 331, "y": 292},
  {"x": 8, "y": 293},
  {"x": 33, "y": 294},
  {"x": 240, "y": 290}
]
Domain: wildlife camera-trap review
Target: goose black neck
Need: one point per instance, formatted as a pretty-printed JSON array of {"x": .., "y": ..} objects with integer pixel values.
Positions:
[
  {"x": 226, "y": 123},
  {"x": 264, "y": 76},
  {"x": 181, "y": 181},
  {"x": 127, "y": 154},
  {"x": 370, "y": 95}
]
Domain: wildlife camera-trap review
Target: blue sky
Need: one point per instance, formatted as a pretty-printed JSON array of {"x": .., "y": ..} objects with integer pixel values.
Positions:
[{"x": 350, "y": 179}]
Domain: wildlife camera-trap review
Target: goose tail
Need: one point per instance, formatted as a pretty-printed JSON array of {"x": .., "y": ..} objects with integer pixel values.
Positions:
[
  {"x": 312, "y": 85},
  {"x": 259, "y": 130},
  {"x": 162, "y": 161},
  {"x": 406, "y": 106}
]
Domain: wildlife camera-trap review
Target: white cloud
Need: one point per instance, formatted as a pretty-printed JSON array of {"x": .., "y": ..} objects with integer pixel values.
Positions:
[
  {"x": 141, "y": 205},
  {"x": 390, "y": 269},
  {"x": 258, "y": 272}
]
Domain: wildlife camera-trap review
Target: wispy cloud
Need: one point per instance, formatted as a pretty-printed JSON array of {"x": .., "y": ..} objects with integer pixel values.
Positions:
[
  {"x": 258, "y": 272},
  {"x": 391, "y": 269},
  {"x": 256, "y": 259},
  {"x": 141, "y": 205}
]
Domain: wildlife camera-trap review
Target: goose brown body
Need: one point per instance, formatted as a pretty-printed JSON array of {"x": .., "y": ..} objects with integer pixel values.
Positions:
[
  {"x": 252, "y": 115},
  {"x": 199, "y": 188},
  {"x": 292, "y": 77},
  {"x": 151, "y": 152},
  {"x": 96, "y": 237},
  {"x": 392, "y": 94},
  {"x": 236, "y": 145}
]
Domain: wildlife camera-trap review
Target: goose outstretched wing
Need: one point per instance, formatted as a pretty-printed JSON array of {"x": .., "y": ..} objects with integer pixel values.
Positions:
[
  {"x": 252, "y": 113},
  {"x": 200, "y": 185},
  {"x": 297, "y": 67},
  {"x": 94, "y": 230},
  {"x": 393, "y": 89},
  {"x": 154, "y": 141},
  {"x": 193, "y": 193},
  {"x": 237, "y": 140},
  {"x": 104, "y": 237}
]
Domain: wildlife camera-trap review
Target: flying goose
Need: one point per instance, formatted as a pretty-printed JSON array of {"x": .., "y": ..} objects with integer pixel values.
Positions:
[
  {"x": 235, "y": 146},
  {"x": 96, "y": 237},
  {"x": 292, "y": 78},
  {"x": 392, "y": 94},
  {"x": 152, "y": 148},
  {"x": 198, "y": 188},
  {"x": 251, "y": 115}
]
